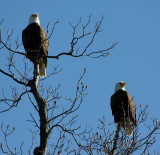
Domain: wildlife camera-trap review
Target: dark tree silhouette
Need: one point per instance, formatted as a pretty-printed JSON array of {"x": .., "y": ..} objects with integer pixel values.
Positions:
[{"x": 62, "y": 119}]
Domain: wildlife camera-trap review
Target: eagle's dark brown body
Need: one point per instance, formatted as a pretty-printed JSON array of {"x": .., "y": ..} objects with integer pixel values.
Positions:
[
  {"x": 123, "y": 106},
  {"x": 36, "y": 44}
]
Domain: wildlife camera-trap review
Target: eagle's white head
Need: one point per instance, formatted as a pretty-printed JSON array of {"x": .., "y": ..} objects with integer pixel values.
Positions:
[
  {"x": 34, "y": 18},
  {"x": 120, "y": 86}
]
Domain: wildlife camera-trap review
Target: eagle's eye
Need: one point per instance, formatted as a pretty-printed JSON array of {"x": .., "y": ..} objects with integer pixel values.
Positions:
[{"x": 121, "y": 84}]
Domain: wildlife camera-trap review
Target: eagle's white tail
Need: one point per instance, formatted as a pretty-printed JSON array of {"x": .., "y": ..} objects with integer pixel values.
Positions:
[
  {"x": 42, "y": 68},
  {"x": 128, "y": 127}
]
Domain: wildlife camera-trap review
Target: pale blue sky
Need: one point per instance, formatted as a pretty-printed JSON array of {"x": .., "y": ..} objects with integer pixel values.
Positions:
[{"x": 135, "y": 60}]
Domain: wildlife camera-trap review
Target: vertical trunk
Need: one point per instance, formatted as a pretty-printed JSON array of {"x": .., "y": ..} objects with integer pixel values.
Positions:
[
  {"x": 116, "y": 139},
  {"x": 42, "y": 105}
]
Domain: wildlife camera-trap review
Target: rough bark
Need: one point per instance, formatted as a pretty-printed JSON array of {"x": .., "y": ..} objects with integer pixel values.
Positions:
[{"x": 42, "y": 105}]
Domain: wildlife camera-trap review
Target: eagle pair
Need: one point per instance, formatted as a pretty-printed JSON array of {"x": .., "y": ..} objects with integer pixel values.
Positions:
[{"x": 36, "y": 45}]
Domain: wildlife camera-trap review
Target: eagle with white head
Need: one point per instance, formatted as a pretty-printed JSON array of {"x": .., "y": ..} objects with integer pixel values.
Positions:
[
  {"x": 123, "y": 108},
  {"x": 36, "y": 43}
]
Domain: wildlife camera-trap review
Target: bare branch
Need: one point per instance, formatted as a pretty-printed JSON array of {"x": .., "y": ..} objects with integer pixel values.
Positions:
[
  {"x": 0, "y": 32},
  {"x": 74, "y": 52},
  {"x": 6, "y": 133},
  {"x": 54, "y": 25},
  {"x": 14, "y": 101},
  {"x": 56, "y": 71},
  {"x": 79, "y": 95},
  {"x": 11, "y": 76},
  {"x": 34, "y": 134},
  {"x": 33, "y": 121},
  {"x": 14, "y": 51}
]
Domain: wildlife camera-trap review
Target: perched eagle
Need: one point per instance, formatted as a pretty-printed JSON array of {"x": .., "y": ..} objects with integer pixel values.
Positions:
[
  {"x": 35, "y": 43},
  {"x": 123, "y": 108}
]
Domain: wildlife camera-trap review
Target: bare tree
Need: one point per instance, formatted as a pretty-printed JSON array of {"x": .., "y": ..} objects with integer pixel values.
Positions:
[
  {"x": 61, "y": 119},
  {"x": 46, "y": 106},
  {"x": 109, "y": 142}
]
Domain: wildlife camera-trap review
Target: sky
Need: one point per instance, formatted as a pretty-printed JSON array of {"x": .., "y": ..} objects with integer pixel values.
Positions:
[{"x": 135, "y": 25}]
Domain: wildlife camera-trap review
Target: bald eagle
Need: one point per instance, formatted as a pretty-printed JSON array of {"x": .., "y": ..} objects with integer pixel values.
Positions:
[
  {"x": 123, "y": 108},
  {"x": 35, "y": 43}
]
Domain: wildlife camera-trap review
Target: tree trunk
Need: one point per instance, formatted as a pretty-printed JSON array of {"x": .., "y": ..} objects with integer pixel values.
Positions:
[
  {"x": 42, "y": 105},
  {"x": 116, "y": 139}
]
